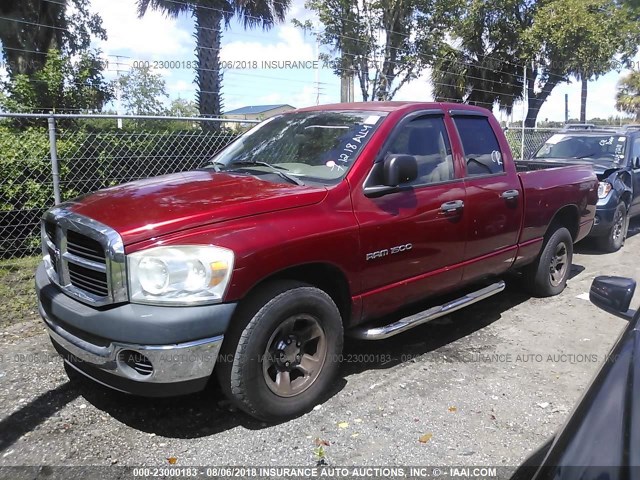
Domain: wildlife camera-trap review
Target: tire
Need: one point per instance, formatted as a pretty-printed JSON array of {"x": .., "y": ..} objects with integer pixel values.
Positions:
[
  {"x": 281, "y": 353},
  {"x": 614, "y": 239},
  {"x": 548, "y": 275}
]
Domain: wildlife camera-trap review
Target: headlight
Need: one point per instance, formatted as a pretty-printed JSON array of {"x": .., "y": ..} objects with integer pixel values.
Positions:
[
  {"x": 603, "y": 189},
  {"x": 179, "y": 275}
]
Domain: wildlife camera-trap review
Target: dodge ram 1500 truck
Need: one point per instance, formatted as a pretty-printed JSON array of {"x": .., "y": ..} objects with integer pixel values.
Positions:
[{"x": 310, "y": 226}]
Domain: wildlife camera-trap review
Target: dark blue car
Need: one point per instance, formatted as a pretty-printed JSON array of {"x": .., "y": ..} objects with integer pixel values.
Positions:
[{"x": 615, "y": 156}]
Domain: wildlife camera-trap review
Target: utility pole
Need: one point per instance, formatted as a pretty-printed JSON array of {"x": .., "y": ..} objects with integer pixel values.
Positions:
[
  {"x": 346, "y": 87},
  {"x": 119, "y": 71}
]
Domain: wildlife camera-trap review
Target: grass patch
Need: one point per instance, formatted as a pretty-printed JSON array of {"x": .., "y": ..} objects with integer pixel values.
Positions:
[{"x": 18, "y": 301}]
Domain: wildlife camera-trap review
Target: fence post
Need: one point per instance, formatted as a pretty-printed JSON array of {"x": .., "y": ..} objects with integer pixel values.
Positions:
[{"x": 53, "y": 149}]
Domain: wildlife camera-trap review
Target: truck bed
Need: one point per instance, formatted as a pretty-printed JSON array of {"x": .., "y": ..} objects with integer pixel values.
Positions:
[
  {"x": 548, "y": 186},
  {"x": 534, "y": 165}
]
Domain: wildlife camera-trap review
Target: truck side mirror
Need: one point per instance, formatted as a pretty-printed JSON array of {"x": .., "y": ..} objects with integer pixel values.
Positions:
[
  {"x": 613, "y": 294},
  {"x": 636, "y": 163},
  {"x": 399, "y": 169}
]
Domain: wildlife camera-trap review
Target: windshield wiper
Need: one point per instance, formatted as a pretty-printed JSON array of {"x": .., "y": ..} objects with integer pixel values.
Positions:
[
  {"x": 274, "y": 168},
  {"x": 215, "y": 165}
]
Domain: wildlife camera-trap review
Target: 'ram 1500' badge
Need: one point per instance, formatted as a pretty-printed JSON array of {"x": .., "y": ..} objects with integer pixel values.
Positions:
[{"x": 389, "y": 251}]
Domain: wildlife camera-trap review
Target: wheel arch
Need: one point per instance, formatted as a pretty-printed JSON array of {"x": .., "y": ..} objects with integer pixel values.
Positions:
[
  {"x": 325, "y": 276},
  {"x": 568, "y": 217}
]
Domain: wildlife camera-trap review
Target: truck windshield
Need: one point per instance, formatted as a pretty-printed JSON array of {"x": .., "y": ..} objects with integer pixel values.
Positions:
[
  {"x": 315, "y": 146},
  {"x": 592, "y": 147}
]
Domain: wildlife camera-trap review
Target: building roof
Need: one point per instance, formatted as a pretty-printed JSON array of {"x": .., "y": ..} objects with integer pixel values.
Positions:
[{"x": 255, "y": 109}]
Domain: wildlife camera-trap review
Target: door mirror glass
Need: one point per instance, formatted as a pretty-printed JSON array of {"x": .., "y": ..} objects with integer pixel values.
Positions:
[
  {"x": 399, "y": 169},
  {"x": 613, "y": 294}
]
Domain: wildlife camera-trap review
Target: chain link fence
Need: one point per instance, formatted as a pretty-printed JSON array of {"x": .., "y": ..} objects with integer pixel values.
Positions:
[
  {"x": 525, "y": 145},
  {"x": 45, "y": 159}
]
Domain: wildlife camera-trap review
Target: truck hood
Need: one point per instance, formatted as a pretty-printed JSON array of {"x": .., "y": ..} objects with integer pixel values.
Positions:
[{"x": 150, "y": 208}]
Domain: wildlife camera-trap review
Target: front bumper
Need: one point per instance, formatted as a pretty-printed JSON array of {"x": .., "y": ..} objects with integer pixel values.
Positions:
[
  {"x": 93, "y": 341},
  {"x": 603, "y": 221}
]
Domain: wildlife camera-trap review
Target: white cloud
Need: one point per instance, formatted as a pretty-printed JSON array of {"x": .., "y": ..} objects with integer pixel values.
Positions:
[
  {"x": 150, "y": 37},
  {"x": 290, "y": 45},
  {"x": 419, "y": 90}
]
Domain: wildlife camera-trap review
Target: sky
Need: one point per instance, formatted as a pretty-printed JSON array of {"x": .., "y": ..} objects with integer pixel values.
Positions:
[{"x": 158, "y": 38}]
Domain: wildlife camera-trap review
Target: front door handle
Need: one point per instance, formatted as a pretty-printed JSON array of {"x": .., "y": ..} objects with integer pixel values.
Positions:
[
  {"x": 510, "y": 194},
  {"x": 454, "y": 206}
]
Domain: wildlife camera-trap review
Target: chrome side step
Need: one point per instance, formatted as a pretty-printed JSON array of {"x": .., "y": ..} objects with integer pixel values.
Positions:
[{"x": 386, "y": 331}]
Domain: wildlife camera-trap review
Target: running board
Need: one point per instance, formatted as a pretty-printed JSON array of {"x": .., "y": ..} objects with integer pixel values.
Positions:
[{"x": 386, "y": 331}]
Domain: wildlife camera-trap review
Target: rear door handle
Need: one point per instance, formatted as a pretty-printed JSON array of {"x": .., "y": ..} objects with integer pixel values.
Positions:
[
  {"x": 510, "y": 194},
  {"x": 453, "y": 206}
]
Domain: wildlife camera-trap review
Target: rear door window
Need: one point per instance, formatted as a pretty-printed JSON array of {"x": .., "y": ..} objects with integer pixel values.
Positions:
[{"x": 481, "y": 148}]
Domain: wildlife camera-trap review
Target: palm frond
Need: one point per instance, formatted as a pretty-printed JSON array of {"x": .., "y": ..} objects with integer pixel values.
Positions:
[{"x": 170, "y": 8}]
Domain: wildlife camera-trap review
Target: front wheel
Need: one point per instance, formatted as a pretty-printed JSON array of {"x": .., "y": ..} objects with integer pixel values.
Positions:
[
  {"x": 282, "y": 352},
  {"x": 548, "y": 275},
  {"x": 614, "y": 239}
]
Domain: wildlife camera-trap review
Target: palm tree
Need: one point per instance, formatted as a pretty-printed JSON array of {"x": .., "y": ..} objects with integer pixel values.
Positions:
[
  {"x": 209, "y": 16},
  {"x": 628, "y": 95}
]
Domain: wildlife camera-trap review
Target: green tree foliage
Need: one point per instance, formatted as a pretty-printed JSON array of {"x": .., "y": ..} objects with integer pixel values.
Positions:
[
  {"x": 30, "y": 28},
  {"x": 480, "y": 64},
  {"x": 62, "y": 85},
  {"x": 555, "y": 39},
  {"x": 381, "y": 42},
  {"x": 628, "y": 95},
  {"x": 582, "y": 37},
  {"x": 142, "y": 92},
  {"x": 181, "y": 107},
  {"x": 210, "y": 16}
]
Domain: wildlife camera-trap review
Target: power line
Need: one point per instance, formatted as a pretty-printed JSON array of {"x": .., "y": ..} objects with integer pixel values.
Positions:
[{"x": 231, "y": 72}]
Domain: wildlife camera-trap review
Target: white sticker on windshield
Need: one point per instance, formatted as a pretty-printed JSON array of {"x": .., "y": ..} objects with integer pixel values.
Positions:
[
  {"x": 331, "y": 164},
  {"x": 622, "y": 139},
  {"x": 371, "y": 120}
]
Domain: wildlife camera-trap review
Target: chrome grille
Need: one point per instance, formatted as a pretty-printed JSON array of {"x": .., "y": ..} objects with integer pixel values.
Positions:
[
  {"x": 89, "y": 280},
  {"x": 85, "y": 247},
  {"x": 84, "y": 257}
]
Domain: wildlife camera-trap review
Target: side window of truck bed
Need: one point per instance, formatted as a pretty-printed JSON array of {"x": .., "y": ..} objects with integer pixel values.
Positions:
[
  {"x": 426, "y": 139},
  {"x": 481, "y": 149}
]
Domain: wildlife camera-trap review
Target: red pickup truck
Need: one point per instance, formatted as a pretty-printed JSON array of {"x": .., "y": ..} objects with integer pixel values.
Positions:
[{"x": 312, "y": 225}]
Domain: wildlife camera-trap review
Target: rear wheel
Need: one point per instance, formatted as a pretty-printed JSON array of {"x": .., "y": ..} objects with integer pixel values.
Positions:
[
  {"x": 614, "y": 239},
  {"x": 282, "y": 352},
  {"x": 548, "y": 275}
]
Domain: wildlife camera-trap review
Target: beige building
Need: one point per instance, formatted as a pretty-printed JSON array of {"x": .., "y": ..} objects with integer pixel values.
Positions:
[{"x": 254, "y": 112}]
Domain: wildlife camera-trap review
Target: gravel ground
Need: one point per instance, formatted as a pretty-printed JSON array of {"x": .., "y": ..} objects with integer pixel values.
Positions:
[{"x": 485, "y": 386}]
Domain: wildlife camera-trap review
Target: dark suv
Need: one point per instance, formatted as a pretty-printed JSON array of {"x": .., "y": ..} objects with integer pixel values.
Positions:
[{"x": 615, "y": 156}]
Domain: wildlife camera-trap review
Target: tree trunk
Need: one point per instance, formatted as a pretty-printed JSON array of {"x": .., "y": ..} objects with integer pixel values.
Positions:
[
  {"x": 536, "y": 100},
  {"x": 208, "y": 76},
  {"x": 583, "y": 100}
]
